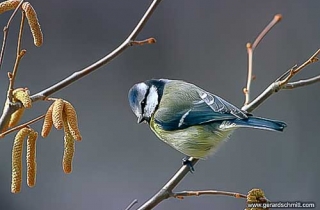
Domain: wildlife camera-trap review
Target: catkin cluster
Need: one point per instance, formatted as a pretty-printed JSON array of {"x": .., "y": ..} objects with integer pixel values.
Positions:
[
  {"x": 61, "y": 114},
  {"x": 255, "y": 196},
  {"x": 17, "y": 150},
  {"x": 22, "y": 95},
  {"x": 31, "y": 17}
]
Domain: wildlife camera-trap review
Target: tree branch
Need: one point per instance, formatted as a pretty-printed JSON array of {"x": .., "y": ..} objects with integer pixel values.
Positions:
[
  {"x": 166, "y": 190},
  {"x": 6, "y": 31},
  {"x": 19, "y": 54},
  {"x": 282, "y": 83},
  {"x": 18, "y": 127},
  {"x": 182, "y": 194},
  {"x": 250, "y": 49},
  {"x": 8, "y": 110},
  {"x": 301, "y": 83},
  {"x": 132, "y": 204}
]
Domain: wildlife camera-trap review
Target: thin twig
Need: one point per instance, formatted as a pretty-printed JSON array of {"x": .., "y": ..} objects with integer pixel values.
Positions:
[
  {"x": 19, "y": 54},
  {"x": 301, "y": 83},
  {"x": 246, "y": 90},
  {"x": 250, "y": 49},
  {"x": 6, "y": 31},
  {"x": 295, "y": 71},
  {"x": 143, "y": 42},
  {"x": 276, "y": 19},
  {"x": 135, "y": 201},
  {"x": 183, "y": 194},
  {"x": 18, "y": 127},
  {"x": 80, "y": 74}
]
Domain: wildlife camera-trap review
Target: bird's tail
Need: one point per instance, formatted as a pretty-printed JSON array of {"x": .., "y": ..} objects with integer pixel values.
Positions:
[{"x": 261, "y": 123}]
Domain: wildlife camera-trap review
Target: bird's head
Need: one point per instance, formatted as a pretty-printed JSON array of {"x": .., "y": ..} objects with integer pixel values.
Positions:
[{"x": 143, "y": 99}]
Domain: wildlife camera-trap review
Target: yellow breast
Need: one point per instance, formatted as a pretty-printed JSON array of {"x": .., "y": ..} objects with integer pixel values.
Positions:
[{"x": 195, "y": 141}]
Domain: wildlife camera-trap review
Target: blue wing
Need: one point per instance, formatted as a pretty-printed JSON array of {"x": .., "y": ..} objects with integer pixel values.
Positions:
[{"x": 205, "y": 107}]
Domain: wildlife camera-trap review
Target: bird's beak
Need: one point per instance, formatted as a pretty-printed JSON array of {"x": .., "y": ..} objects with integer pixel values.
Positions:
[{"x": 140, "y": 119}]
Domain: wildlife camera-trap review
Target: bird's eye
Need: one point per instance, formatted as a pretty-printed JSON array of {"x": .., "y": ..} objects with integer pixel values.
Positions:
[{"x": 143, "y": 102}]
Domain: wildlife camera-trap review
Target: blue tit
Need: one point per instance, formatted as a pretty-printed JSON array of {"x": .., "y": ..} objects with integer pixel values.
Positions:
[{"x": 188, "y": 118}]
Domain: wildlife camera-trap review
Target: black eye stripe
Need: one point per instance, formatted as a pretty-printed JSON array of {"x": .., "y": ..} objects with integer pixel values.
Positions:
[{"x": 144, "y": 101}]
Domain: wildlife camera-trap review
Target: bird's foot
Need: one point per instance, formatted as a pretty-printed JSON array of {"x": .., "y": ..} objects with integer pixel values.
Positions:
[{"x": 187, "y": 162}]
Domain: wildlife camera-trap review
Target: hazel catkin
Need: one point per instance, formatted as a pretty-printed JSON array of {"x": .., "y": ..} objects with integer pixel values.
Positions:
[
  {"x": 31, "y": 158},
  {"x": 33, "y": 23},
  {"x": 16, "y": 176},
  {"x": 22, "y": 95},
  {"x": 47, "y": 123},
  {"x": 8, "y": 5},
  {"x": 72, "y": 120},
  {"x": 15, "y": 117},
  {"x": 57, "y": 114},
  {"x": 69, "y": 147}
]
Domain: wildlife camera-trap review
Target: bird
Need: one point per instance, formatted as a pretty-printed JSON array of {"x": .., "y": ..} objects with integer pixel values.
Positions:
[{"x": 189, "y": 118}]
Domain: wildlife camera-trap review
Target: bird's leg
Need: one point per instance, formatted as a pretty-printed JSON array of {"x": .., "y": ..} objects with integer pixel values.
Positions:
[{"x": 187, "y": 162}]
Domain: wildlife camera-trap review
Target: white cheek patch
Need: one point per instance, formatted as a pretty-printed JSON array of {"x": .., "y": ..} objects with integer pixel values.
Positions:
[{"x": 152, "y": 101}]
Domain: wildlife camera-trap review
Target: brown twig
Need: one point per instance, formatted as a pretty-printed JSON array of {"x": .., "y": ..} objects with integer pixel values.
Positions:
[
  {"x": 183, "y": 194},
  {"x": 246, "y": 90},
  {"x": 6, "y": 31},
  {"x": 250, "y": 49},
  {"x": 276, "y": 19},
  {"x": 42, "y": 95},
  {"x": 22, "y": 126},
  {"x": 295, "y": 71},
  {"x": 143, "y": 42},
  {"x": 20, "y": 53}
]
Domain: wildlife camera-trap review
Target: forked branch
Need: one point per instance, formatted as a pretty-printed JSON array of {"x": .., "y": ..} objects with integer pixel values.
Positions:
[
  {"x": 283, "y": 83},
  {"x": 250, "y": 49}
]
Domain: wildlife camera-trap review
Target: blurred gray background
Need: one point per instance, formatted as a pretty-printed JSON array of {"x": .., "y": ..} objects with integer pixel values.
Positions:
[{"x": 202, "y": 42}]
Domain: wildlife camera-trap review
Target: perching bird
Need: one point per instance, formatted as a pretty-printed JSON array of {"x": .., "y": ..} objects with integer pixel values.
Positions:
[{"x": 188, "y": 118}]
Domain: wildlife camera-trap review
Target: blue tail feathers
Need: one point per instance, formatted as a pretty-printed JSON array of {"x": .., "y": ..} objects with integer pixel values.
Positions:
[{"x": 261, "y": 123}]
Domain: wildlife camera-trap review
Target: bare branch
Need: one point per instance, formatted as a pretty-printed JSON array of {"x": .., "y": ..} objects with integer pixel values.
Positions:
[
  {"x": 183, "y": 194},
  {"x": 6, "y": 31},
  {"x": 295, "y": 71},
  {"x": 19, "y": 54},
  {"x": 276, "y": 19},
  {"x": 301, "y": 83},
  {"x": 146, "y": 41},
  {"x": 79, "y": 74},
  {"x": 250, "y": 49},
  {"x": 246, "y": 90},
  {"x": 166, "y": 190},
  {"x": 132, "y": 204},
  {"x": 22, "y": 126},
  {"x": 282, "y": 83}
]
